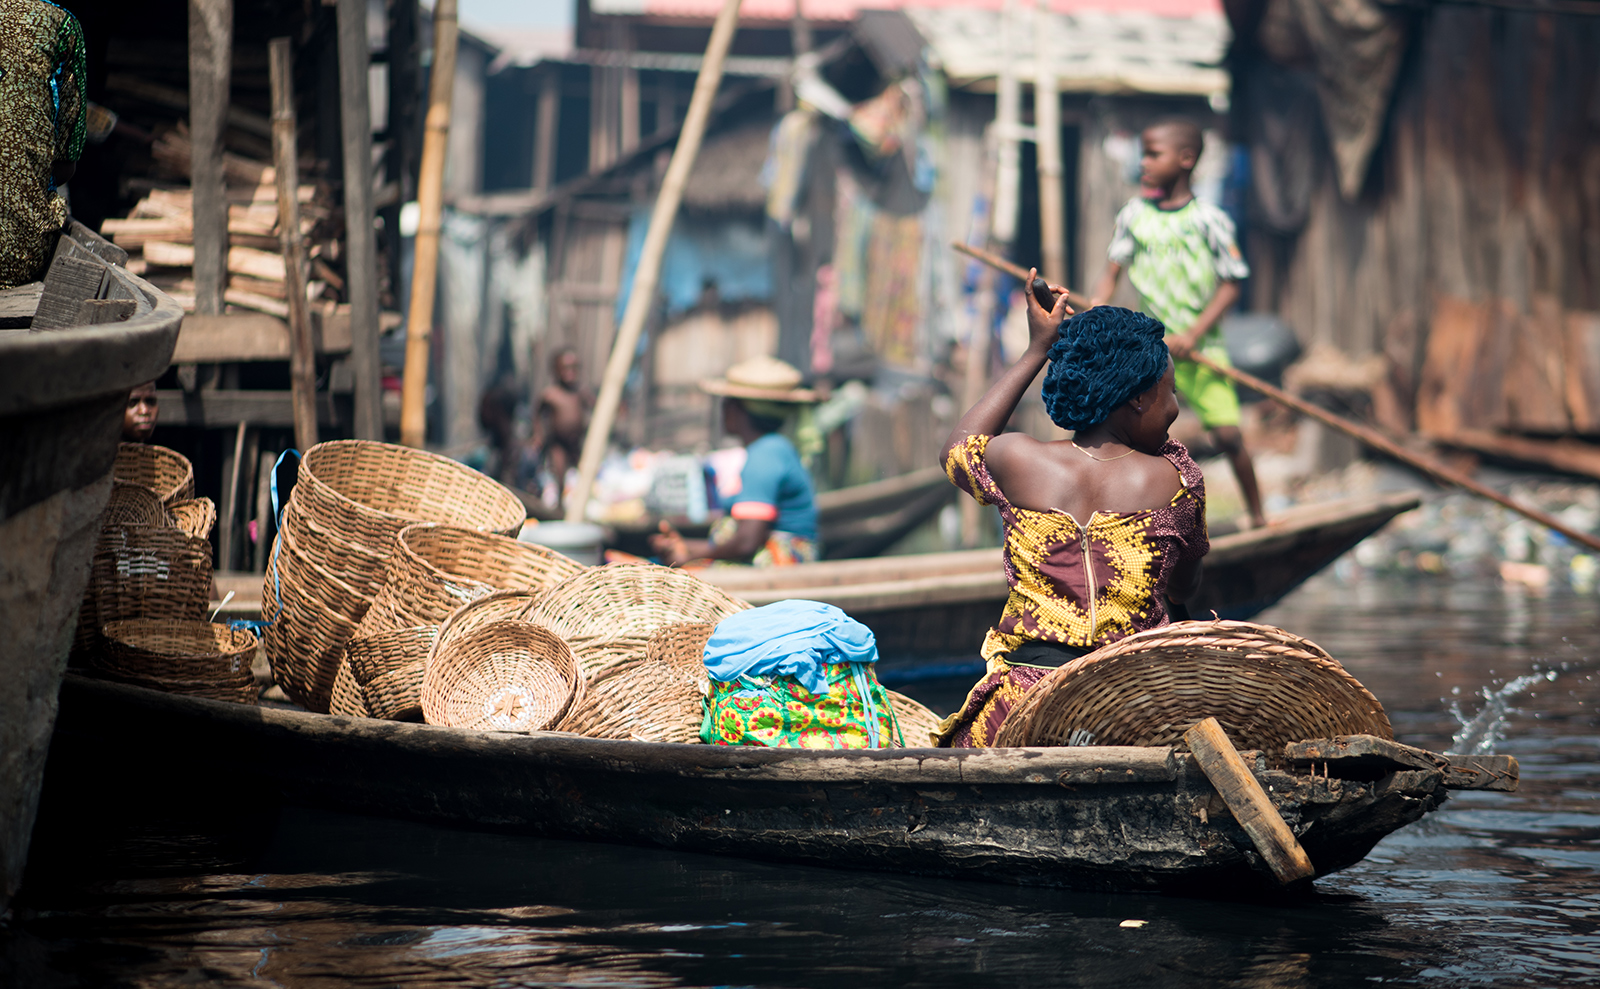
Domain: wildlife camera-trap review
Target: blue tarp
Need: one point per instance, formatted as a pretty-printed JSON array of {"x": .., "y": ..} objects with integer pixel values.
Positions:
[{"x": 789, "y": 638}]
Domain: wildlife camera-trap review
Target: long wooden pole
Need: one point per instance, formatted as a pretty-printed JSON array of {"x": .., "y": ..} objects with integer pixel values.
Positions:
[
  {"x": 210, "y": 68},
  {"x": 1365, "y": 434},
  {"x": 360, "y": 241},
  {"x": 1047, "y": 141},
  {"x": 1252, "y": 809},
  {"x": 302, "y": 356},
  {"x": 430, "y": 205},
  {"x": 648, "y": 273}
]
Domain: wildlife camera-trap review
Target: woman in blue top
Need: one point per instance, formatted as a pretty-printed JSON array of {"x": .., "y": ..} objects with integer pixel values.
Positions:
[{"x": 773, "y": 521}]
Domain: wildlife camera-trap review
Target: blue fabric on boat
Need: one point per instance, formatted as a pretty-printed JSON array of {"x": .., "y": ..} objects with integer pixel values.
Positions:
[{"x": 789, "y": 638}]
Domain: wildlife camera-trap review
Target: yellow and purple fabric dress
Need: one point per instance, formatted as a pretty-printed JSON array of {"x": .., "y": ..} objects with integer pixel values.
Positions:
[{"x": 1075, "y": 586}]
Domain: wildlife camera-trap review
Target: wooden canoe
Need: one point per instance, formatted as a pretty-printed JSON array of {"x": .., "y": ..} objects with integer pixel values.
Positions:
[
  {"x": 1087, "y": 817},
  {"x": 62, "y": 396},
  {"x": 930, "y": 611}
]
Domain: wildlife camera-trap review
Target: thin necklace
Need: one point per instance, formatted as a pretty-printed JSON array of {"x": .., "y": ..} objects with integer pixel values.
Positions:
[{"x": 1100, "y": 460}]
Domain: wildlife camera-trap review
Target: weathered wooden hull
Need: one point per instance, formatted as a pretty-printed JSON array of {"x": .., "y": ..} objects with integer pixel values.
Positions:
[
  {"x": 930, "y": 612},
  {"x": 62, "y": 395},
  {"x": 1094, "y": 818}
]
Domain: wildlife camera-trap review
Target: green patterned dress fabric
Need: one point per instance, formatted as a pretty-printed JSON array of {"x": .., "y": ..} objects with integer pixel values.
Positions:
[
  {"x": 779, "y": 712},
  {"x": 42, "y": 73}
]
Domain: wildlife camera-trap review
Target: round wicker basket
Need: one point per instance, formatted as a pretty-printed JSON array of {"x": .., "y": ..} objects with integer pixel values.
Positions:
[
  {"x": 1266, "y": 686},
  {"x": 134, "y": 504},
  {"x": 658, "y": 697},
  {"x": 623, "y": 600},
  {"x": 918, "y": 725},
  {"x": 500, "y": 606},
  {"x": 351, "y": 498},
  {"x": 165, "y": 649},
  {"x": 166, "y": 472},
  {"x": 195, "y": 516},
  {"x": 143, "y": 571},
  {"x": 436, "y": 568},
  {"x": 500, "y": 676}
]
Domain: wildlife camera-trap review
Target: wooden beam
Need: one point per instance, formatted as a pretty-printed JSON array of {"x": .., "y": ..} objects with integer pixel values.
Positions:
[
  {"x": 225, "y": 407},
  {"x": 647, "y": 275},
  {"x": 544, "y": 145},
  {"x": 1567, "y": 455},
  {"x": 1248, "y": 802},
  {"x": 302, "y": 360},
  {"x": 430, "y": 205},
  {"x": 1047, "y": 125},
  {"x": 1370, "y": 757},
  {"x": 361, "y": 248},
  {"x": 210, "y": 68}
]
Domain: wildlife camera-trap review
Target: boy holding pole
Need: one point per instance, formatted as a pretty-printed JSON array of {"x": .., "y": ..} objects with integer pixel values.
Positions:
[{"x": 1181, "y": 257}]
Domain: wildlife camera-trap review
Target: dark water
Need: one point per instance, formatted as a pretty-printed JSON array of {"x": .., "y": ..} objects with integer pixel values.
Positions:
[{"x": 1496, "y": 889}]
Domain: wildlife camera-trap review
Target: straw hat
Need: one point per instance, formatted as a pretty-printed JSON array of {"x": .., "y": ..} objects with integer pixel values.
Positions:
[{"x": 764, "y": 378}]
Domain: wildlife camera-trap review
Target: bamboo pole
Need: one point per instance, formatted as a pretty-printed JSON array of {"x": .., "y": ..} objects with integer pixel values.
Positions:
[
  {"x": 302, "y": 356},
  {"x": 210, "y": 68},
  {"x": 1047, "y": 139},
  {"x": 430, "y": 204},
  {"x": 1366, "y": 434},
  {"x": 647, "y": 275}
]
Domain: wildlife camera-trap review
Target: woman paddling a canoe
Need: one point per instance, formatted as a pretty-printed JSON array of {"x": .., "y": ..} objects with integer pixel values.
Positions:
[{"x": 1078, "y": 585}]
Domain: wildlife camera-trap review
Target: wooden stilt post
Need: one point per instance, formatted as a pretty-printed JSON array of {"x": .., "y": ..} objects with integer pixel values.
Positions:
[
  {"x": 430, "y": 203},
  {"x": 544, "y": 145},
  {"x": 210, "y": 68},
  {"x": 302, "y": 354},
  {"x": 648, "y": 273},
  {"x": 1047, "y": 123},
  {"x": 361, "y": 247}
]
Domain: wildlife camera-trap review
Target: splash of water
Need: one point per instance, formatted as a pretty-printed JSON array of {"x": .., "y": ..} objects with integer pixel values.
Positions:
[{"x": 1480, "y": 733}]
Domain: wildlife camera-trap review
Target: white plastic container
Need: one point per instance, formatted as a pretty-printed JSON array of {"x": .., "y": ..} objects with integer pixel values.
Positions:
[{"x": 579, "y": 541}]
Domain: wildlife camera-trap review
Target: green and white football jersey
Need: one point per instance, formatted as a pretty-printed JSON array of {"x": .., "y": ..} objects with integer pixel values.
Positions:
[{"x": 1175, "y": 258}]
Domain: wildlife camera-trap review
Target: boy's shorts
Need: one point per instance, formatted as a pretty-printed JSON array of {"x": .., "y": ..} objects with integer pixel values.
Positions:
[{"x": 1212, "y": 397}]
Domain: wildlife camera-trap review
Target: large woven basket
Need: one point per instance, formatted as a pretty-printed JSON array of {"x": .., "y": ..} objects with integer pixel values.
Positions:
[
  {"x": 134, "y": 504},
  {"x": 918, "y": 725},
  {"x": 658, "y": 697},
  {"x": 196, "y": 516},
  {"x": 350, "y": 500},
  {"x": 436, "y": 568},
  {"x": 501, "y": 676},
  {"x": 388, "y": 667},
  {"x": 1266, "y": 686},
  {"x": 623, "y": 600},
  {"x": 166, "y": 472},
  {"x": 177, "y": 650},
  {"x": 143, "y": 571},
  {"x": 346, "y": 698}
]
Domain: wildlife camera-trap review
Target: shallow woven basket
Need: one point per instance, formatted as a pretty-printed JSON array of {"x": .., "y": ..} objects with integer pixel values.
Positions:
[
  {"x": 597, "y": 656},
  {"x": 143, "y": 571},
  {"x": 165, "y": 649},
  {"x": 134, "y": 504},
  {"x": 1266, "y": 686},
  {"x": 195, "y": 516},
  {"x": 166, "y": 472},
  {"x": 237, "y": 692},
  {"x": 918, "y": 725},
  {"x": 622, "y": 600},
  {"x": 346, "y": 697},
  {"x": 350, "y": 500},
  {"x": 436, "y": 568},
  {"x": 657, "y": 698},
  {"x": 501, "y": 676},
  {"x": 500, "y": 606}
]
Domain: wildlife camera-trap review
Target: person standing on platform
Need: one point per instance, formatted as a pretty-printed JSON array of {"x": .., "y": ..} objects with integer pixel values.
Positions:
[
  {"x": 1182, "y": 259},
  {"x": 561, "y": 419},
  {"x": 42, "y": 76}
]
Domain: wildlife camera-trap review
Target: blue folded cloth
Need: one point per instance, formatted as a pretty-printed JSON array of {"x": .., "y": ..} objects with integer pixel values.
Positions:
[{"x": 789, "y": 638}]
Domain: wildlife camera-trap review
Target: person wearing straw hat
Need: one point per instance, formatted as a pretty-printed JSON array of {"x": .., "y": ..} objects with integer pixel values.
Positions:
[{"x": 773, "y": 519}]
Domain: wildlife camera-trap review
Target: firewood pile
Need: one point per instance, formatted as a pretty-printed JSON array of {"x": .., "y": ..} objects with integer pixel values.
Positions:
[{"x": 158, "y": 232}]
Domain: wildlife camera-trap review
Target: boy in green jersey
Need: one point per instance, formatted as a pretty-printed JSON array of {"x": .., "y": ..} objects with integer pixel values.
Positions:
[{"x": 1181, "y": 258}]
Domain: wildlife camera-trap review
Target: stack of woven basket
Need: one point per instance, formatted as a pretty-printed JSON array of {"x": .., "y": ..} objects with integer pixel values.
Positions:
[{"x": 143, "y": 614}]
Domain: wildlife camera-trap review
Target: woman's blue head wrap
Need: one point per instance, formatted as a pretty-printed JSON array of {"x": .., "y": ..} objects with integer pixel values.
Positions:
[{"x": 1101, "y": 358}]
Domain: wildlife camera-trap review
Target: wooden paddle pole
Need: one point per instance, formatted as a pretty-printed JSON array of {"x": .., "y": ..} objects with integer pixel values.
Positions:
[
  {"x": 1248, "y": 802},
  {"x": 647, "y": 275},
  {"x": 302, "y": 358},
  {"x": 430, "y": 205},
  {"x": 1365, "y": 434}
]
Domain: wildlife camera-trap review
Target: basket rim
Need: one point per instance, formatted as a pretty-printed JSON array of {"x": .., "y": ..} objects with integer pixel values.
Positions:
[
  {"x": 403, "y": 545},
  {"x": 425, "y": 455}
]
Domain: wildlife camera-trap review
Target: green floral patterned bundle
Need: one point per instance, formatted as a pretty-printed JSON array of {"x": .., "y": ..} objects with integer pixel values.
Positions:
[{"x": 779, "y": 712}]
